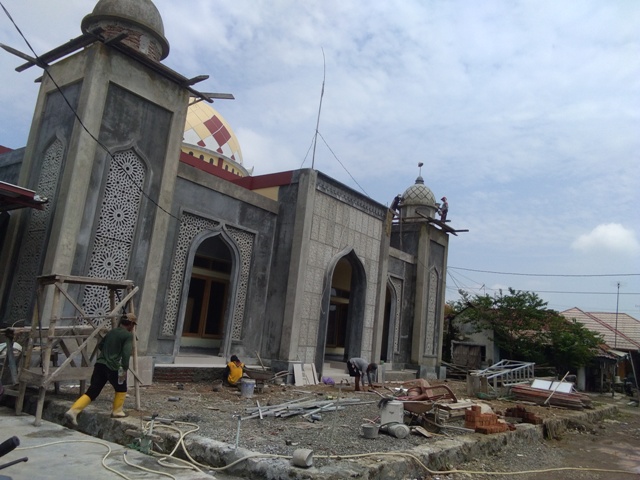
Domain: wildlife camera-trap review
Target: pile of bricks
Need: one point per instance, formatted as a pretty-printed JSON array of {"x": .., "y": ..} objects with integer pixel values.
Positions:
[
  {"x": 521, "y": 412},
  {"x": 485, "y": 423}
]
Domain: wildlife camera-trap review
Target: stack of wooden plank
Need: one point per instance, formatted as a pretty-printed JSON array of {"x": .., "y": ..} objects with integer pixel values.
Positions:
[
  {"x": 450, "y": 411},
  {"x": 573, "y": 400}
]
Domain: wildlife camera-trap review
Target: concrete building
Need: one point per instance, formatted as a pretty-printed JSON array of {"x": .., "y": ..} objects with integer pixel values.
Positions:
[{"x": 293, "y": 266}]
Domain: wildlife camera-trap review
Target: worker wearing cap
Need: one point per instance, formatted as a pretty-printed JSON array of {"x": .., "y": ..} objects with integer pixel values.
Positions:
[
  {"x": 234, "y": 370},
  {"x": 358, "y": 367},
  {"x": 115, "y": 351},
  {"x": 444, "y": 209}
]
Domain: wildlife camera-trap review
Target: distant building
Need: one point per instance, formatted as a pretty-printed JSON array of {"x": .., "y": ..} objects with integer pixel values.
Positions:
[
  {"x": 621, "y": 334},
  {"x": 619, "y": 331},
  {"x": 293, "y": 266}
]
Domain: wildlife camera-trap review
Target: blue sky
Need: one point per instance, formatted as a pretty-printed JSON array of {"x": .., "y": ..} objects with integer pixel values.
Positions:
[{"x": 525, "y": 114}]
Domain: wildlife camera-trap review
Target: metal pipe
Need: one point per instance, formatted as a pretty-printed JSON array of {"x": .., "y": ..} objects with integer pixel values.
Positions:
[{"x": 238, "y": 431}]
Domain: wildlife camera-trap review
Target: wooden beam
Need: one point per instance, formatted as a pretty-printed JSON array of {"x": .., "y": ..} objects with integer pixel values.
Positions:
[{"x": 61, "y": 51}]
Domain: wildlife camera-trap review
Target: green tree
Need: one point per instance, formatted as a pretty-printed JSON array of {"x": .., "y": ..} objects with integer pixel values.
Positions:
[
  {"x": 572, "y": 344},
  {"x": 524, "y": 329}
]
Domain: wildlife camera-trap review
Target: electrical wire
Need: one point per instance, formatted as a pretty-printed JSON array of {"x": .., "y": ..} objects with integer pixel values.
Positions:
[
  {"x": 97, "y": 442},
  {"x": 115, "y": 160},
  {"x": 105, "y": 148},
  {"x": 194, "y": 464},
  {"x": 454, "y": 281},
  {"x": 145, "y": 469},
  {"x": 342, "y": 165},
  {"x": 550, "y": 274},
  {"x": 195, "y": 427},
  {"x": 44, "y": 66}
]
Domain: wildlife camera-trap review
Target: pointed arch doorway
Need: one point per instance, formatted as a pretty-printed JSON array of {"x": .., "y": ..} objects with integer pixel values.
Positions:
[
  {"x": 342, "y": 316},
  {"x": 386, "y": 352},
  {"x": 208, "y": 303}
]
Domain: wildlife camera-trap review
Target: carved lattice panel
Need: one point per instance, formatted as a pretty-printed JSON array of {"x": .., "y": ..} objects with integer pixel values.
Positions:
[
  {"x": 191, "y": 226},
  {"x": 396, "y": 284},
  {"x": 244, "y": 242},
  {"x": 115, "y": 231},
  {"x": 430, "y": 333},
  {"x": 33, "y": 243}
]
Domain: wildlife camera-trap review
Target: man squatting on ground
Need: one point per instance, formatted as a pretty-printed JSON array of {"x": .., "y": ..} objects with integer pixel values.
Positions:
[
  {"x": 115, "y": 350},
  {"x": 233, "y": 371},
  {"x": 358, "y": 367}
]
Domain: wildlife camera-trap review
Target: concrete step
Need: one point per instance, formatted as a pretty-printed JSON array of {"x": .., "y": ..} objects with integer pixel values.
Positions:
[
  {"x": 399, "y": 375},
  {"x": 390, "y": 375}
]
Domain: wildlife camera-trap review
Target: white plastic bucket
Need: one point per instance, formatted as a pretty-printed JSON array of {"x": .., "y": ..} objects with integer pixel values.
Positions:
[
  {"x": 392, "y": 412},
  {"x": 247, "y": 386}
]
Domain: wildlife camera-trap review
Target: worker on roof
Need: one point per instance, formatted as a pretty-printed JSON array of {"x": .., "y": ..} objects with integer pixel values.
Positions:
[{"x": 444, "y": 209}]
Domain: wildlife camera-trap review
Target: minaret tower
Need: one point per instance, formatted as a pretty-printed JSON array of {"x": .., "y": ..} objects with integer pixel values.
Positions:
[{"x": 104, "y": 147}]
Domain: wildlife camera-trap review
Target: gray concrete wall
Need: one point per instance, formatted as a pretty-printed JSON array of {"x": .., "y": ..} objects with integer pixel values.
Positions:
[
  {"x": 342, "y": 222},
  {"x": 29, "y": 231},
  {"x": 405, "y": 238},
  {"x": 424, "y": 295},
  {"x": 135, "y": 110},
  {"x": 10, "y": 164},
  {"x": 403, "y": 268},
  {"x": 320, "y": 221},
  {"x": 221, "y": 205},
  {"x": 125, "y": 113},
  {"x": 277, "y": 340}
]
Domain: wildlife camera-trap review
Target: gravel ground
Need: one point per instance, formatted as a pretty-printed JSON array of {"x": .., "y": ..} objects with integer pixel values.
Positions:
[
  {"x": 334, "y": 433},
  {"x": 612, "y": 444}
]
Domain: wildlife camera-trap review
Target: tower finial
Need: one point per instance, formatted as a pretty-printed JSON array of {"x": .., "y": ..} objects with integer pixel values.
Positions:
[{"x": 420, "y": 164}]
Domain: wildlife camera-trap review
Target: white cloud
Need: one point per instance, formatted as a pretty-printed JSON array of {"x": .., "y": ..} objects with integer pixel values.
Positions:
[{"x": 611, "y": 237}]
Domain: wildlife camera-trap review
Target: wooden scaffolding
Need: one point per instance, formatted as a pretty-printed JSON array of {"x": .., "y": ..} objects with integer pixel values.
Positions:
[{"x": 75, "y": 338}]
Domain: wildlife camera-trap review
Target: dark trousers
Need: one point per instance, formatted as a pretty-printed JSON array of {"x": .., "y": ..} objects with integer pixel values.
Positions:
[{"x": 99, "y": 378}]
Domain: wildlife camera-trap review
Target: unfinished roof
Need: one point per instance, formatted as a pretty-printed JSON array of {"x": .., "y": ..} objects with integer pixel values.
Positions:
[{"x": 627, "y": 335}]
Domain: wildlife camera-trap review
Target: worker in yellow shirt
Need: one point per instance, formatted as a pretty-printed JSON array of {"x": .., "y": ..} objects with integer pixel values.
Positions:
[{"x": 233, "y": 372}]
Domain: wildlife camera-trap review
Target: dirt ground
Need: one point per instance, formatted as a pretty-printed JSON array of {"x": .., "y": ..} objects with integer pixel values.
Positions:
[{"x": 611, "y": 444}]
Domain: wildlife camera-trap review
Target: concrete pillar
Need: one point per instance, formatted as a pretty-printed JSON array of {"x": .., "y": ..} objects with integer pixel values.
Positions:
[
  {"x": 581, "y": 383},
  {"x": 298, "y": 266}
]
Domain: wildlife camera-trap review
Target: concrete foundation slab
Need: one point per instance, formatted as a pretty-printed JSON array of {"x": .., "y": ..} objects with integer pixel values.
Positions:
[{"x": 56, "y": 452}]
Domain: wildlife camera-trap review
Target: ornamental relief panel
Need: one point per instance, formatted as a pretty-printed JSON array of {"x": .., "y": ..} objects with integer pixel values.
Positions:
[
  {"x": 430, "y": 337},
  {"x": 33, "y": 242},
  {"x": 191, "y": 226},
  {"x": 396, "y": 284},
  {"x": 115, "y": 231}
]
